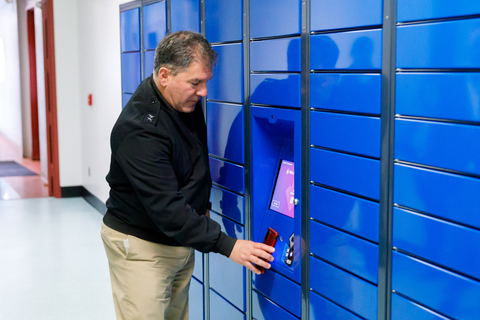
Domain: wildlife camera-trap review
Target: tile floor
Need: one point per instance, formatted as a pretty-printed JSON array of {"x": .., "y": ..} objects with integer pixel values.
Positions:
[
  {"x": 20, "y": 187},
  {"x": 52, "y": 262}
]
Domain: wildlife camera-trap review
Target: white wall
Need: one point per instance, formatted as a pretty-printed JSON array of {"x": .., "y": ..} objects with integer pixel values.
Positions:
[
  {"x": 99, "y": 22},
  {"x": 10, "y": 111},
  {"x": 67, "y": 70},
  {"x": 42, "y": 118}
]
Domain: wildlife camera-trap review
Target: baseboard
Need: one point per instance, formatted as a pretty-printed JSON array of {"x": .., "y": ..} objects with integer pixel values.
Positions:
[{"x": 80, "y": 191}]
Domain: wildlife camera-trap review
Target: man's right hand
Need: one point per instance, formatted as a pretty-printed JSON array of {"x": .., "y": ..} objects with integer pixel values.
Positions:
[{"x": 248, "y": 253}]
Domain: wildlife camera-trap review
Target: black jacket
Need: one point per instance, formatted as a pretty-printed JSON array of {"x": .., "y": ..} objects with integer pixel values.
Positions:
[{"x": 159, "y": 175}]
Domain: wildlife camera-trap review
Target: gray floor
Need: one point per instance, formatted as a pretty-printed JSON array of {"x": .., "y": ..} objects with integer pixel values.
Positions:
[{"x": 52, "y": 262}]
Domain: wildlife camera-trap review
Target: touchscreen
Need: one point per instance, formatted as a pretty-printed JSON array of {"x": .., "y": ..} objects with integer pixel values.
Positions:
[{"x": 283, "y": 193}]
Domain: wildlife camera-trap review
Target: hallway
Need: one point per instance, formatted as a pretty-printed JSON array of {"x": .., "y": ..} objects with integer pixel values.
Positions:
[
  {"x": 53, "y": 262},
  {"x": 20, "y": 187}
]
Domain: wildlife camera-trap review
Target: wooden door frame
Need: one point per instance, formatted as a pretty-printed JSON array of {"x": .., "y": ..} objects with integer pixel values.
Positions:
[
  {"x": 32, "y": 58},
  {"x": 51, "y": 99}
]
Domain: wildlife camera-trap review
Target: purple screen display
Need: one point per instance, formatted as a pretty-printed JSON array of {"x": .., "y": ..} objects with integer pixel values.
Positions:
[{"x": 283, "y": 194}]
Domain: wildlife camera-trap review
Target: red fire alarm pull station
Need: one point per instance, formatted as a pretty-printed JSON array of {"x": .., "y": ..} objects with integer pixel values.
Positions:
[{"x": 89, "y": 99}]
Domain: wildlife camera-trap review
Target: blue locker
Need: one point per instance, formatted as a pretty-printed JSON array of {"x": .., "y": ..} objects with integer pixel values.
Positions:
[
  {"x": 266, "y": 309},
  {"x": 220, "y": 309},
  {"x": 149, "y": 59},
  {"x": 274, "y": 18},
  {"x": 350, "y": 253},
  {"x": 409, "y": 10},
  {"x": 228, "y": 175},
  {"x": 355, "y": 134},
  {"x": 280, "y": 290},
  {"x": 125, "y": 98},
  {"x": 276, "y": 89},
  {"x": 198, "y": 269},
  {"x": 349, "y": 213},
  {"x": 227, "y": 278},
  {"x": 350, "y": 173},
  {"x": 185, "y": 15},
  {"x": 352, "y": 293},
  {"x": 223, "y": 20},
  {"x": 228, "y": 204},
  {"x": 225, "y": 131},
  {"x": 131, "y": 71},
  {"x": 403, "y": 309},
  {"x": 347, "y": 50},
  {"x": 154, "y": 24},
  {"x": 444, "y": 195},
  {"x": 227, "y": 81},
  {"x": 445, "y": 145},
  {"x": 130, "y": 30},
  {"x": 275, "y": 55},
  {"x": 346, "y": 92},
  {"x": 434, "y": 94},
  {"x": 441, "y": 290},
  {"x": 322, "y": 309},
  {"x": 195, "y": 300},
  {"x": 452, "y": 44},
  {"x": 339, "y": 14},
  {"x": 442, "y": 242}
]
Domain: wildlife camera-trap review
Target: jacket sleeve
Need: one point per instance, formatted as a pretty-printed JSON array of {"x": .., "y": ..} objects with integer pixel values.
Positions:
[{"x": 145, "y": 159}]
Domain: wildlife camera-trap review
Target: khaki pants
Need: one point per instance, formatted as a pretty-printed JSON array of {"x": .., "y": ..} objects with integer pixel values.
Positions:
[{"x": 149, "y": 280}]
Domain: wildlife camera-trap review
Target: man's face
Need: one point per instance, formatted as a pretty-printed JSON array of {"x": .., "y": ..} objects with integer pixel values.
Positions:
[{"x": 186, "y": 88}]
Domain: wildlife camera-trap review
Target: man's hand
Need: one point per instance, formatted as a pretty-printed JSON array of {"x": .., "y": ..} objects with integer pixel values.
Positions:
[{"x": 248, "y": 252}]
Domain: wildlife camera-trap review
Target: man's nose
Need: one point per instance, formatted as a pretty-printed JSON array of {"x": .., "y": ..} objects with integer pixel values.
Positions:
[{"x": 202, "y": 90}]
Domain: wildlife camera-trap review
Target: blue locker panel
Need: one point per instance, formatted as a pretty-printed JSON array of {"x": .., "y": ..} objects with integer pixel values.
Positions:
[
  {"x": 439, "y": 241},
  {"x": 350, "y": 173},
  {"x": 275, "y": 55},
  {"x": 279, "y": 289},
  {"x": 446, "y": 195},
  {"x": 405, "y": 309},
  {"x": 445, "y": 145},
  {"x": 441, "y": 290},
  {"x": 223, "y": 20},
  {"x": 195, "y": 300},
  {"x": 356, "y": 134},
  {"x": 444, "y": 91},
  {"x": 228, "y": 175},
  {"x": 409, "y": 10},
  {"x": 149, "y": 59},
  {"x": 350, "y": 253},
  {"x": 338, "y": 14},
  {"x": 266, "y": 309},
  {"x": 125, "y": 98},
  {"x": 227, "y": 81},
  {"x": 220, "y": 309},
  {"x": 227, "y": 278},
  {"x": 346, "y": 92},
  {"x": 228, "y": 203},
  {"x": 130, "y": 30},
  {"x": 345, "y": 289},
  {"x": 131, "y": 72},
  {"x": 198, "y": 269},
  {"x": 185, "y": 15},
  {"x": 347, "y": 50},
  {"x": 274, "y": 18},
  {"x": 154, "y": 24},
  {"x": 225, "y": 131},
  {"x": 276, "y": 89},
  {"x": 322, "y": 309},
  {"x": 452, "y": 44},
  {"x": 346, "y": 212}
]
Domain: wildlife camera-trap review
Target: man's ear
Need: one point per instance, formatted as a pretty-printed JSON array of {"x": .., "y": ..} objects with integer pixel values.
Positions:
[{"x": 163, "y": 76}]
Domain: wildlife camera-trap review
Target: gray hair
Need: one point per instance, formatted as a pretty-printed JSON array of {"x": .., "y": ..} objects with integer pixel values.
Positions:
[{"x": 177, "y": 50}]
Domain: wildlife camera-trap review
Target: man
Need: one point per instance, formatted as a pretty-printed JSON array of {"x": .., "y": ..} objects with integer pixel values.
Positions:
[{"x": 160, "y": 188}]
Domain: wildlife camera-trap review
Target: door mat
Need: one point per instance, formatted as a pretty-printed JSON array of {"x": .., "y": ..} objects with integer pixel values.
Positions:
[{"x": 13, "y": 169}]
